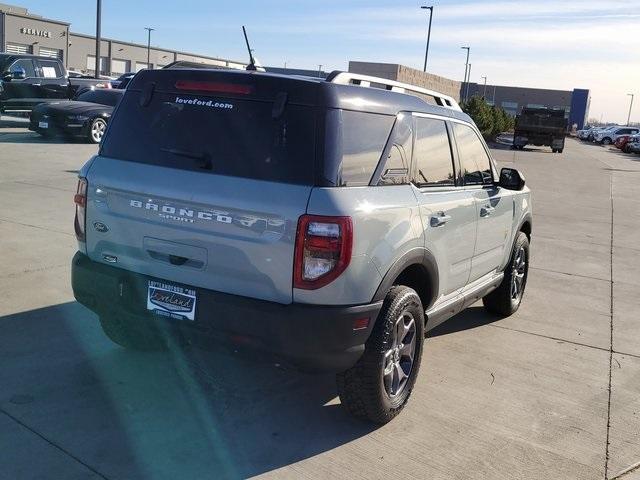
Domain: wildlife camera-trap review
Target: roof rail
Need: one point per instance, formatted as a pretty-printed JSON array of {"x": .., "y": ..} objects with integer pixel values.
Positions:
[{"x": 348, "y": 78}]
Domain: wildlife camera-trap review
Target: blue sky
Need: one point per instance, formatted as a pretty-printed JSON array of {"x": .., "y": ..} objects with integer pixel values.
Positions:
[{"x": 548, "y": 44}]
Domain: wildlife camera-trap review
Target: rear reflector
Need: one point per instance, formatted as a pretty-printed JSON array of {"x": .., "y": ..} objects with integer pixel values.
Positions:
[
  {"x": 218, "y": 87},
  {"x": 361, "y": 323}
]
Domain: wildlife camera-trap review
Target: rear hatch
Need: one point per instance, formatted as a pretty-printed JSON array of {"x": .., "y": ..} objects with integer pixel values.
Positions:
[{"x": 201, "y": 179}]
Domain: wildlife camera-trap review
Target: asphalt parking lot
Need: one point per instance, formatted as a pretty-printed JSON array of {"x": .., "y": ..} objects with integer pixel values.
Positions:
[{"x": 550, "y": 393}]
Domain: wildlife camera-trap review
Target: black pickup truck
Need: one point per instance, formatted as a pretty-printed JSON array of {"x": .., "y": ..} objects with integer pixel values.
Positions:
[
  {"x": 28, "y": 80},
  {"x": 540, "y": 126}
]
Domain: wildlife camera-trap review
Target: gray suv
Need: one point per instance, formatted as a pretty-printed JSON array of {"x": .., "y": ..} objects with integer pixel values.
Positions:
[{"x": 326, "y": 222}]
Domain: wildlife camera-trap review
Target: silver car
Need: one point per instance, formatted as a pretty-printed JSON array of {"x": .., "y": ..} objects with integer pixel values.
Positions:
[{"x": 327, "y": 222}]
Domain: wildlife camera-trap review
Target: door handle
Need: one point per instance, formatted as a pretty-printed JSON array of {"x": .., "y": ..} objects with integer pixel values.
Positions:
[
  {"x": 486, "y": 210},
  {"x": 439, "y": 220}
]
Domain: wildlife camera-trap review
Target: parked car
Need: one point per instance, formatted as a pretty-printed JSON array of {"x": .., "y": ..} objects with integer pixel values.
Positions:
[
  {"x": 621, "y": 141},
  {"x": 633, "y": 145},
  {"x": 86, "y": 116},
  {"x": 329, "y": 222},
  {"x": 584, "y": 133},
  {"x": 609, "y": 136},
  {"x": 123, "y": 80},
  {"x": 28, "y": 80},
  {"x": 592, "y": 133}
]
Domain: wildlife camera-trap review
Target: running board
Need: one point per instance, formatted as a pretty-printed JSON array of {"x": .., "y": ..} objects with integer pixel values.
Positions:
[{"x": 444, "y": 311}]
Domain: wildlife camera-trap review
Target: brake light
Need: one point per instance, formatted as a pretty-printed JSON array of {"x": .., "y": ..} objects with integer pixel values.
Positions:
[
  {"x": 80, "y": 199},
  {"x": 218, "y": 87},
  {"x": 323, "y": 250}
]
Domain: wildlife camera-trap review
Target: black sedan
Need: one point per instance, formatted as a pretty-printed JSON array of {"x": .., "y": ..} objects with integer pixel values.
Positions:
[{"x": 85, "y": 116}]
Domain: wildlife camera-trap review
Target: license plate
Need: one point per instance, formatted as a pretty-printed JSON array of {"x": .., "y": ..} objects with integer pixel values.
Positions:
[
  {"x": 43, "y": 124},
  {"x": 171, "y": 301}
]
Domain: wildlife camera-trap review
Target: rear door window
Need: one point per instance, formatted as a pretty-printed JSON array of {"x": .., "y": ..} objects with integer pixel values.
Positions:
[
  {"x": 225, "y": 136},
  {"x": 432, "y": 154},
  {"x": 49, "y": 69},
  {"x": 474, "y": 160}
]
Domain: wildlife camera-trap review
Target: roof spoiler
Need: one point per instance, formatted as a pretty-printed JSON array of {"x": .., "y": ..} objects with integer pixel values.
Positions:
[{"x": 348, "y": 78}]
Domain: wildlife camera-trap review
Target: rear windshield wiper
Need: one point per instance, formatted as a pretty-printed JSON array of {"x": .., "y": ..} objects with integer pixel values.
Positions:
[{"x": 202, "y": 157}]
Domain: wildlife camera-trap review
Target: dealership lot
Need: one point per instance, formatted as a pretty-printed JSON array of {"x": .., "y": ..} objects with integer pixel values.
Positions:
[{"x": 552, "y": 392}]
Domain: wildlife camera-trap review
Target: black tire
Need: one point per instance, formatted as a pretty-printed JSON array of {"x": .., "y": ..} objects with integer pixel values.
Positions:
[
  {"x": 362, "y": 389},
  {"x": 502, "y": 300},
  {"x": 96, "y": 130},
  {"x": 606, "y": 141},
  {"x": 560, "y": 150},
  {"x": 553, "y": 150},
  {"x": 131, "y": 337}
]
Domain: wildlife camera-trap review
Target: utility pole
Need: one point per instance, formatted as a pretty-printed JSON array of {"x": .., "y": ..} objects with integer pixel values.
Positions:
[
  {"x": 466, "y": 68},
  {"x": 484, "y": 91},
  {"x": 468, "y": 81},
  {"x": 630, "y": 107},
  {"x": 149, "y": 30},
  {"x": 494, "y": 94},
  {"x": 320, "y": 70},
  {"x": 426, "y": 53},
  {"x": 98, "y": 39}
]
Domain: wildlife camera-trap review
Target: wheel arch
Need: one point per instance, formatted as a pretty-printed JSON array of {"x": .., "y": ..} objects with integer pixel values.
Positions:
[{"x": 417, "y": 269}]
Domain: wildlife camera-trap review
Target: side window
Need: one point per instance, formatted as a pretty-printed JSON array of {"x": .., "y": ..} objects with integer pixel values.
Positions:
[
  {"x": 50, "y": 69},
  {"x": 432, "y": 154},
  {"x": 398, "y": 153},
  {"x": 356, "y": 140},
  {"x": 26, "y": 64},
  {"x": 476, "y": 165}
]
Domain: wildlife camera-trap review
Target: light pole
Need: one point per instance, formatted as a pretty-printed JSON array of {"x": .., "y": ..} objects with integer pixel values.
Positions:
[
  {"x": 468, "y": 81},
  {"x": 149, "y": 30},
  {"x": 98, "y": 40},
  {"x": 426, "y": 53},
  {"x": 466, "y": 67},
  {"x": 630, "y": 107},
  {"x": 320, "y": 70},
  {"x": 484, "y": 91}
]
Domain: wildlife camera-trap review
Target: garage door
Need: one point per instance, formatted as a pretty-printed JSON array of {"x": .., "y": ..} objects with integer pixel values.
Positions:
[
  {"x": 118, "y": 67},
  {"x": 51, "y": 53},
  {"x": 141, "y": 66},
  {"x": 18, "y": 49}
]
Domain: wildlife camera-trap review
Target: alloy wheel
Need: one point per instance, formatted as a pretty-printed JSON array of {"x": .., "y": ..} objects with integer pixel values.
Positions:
[
  {"x": 398, "y": 359},
  {"x": 519, "y": 270},
  {"x": 97, "y": 130}
]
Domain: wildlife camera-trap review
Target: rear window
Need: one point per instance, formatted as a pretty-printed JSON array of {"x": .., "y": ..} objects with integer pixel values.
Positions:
[
  {"x": 225, "y": 136},
  {"x": 100, "y": 97}
]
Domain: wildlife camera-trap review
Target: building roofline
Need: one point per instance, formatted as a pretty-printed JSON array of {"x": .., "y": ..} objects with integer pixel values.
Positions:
[
  {"x": 481, "y": 85},
  {"x": 93, "y": 37},
  {"x": 34, "y": 17}
]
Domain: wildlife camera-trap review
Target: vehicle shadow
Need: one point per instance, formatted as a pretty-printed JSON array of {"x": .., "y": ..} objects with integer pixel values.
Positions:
[
  {"x": 27, "y": 136},
  {"x": 184, "y": 413},
  {"x": 471, "y": 317}
]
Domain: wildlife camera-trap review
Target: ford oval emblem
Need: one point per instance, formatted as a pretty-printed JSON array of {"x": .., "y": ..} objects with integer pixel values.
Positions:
[{"x": 100, "y": 227}]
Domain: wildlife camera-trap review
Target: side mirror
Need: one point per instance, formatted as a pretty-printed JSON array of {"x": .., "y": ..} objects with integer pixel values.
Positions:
[
  {"x": 511, "y": 179},
  {"x": 18, "y": 73}
]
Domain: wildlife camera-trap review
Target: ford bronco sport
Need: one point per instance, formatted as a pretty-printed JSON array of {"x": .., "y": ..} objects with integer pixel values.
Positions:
[{"x": 329, "y": 222}]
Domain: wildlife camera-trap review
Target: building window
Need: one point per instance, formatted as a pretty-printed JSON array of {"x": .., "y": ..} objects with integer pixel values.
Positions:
[
  {"x": 535, "y": 105},
  {"x": 50, "y": 52},
  {"x": 91, "y": 64},
  {"x": 510, "y": 105},
  {"x": 18, "y": 49}
]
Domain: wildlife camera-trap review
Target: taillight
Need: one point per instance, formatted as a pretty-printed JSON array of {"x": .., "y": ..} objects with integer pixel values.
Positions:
[
  {"x": 80, "y": 199},
  {"x": 323, "y": 250}
]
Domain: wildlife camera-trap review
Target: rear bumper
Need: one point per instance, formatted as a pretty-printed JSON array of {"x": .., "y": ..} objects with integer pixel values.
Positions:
[{"x": 313, "y": 337}]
